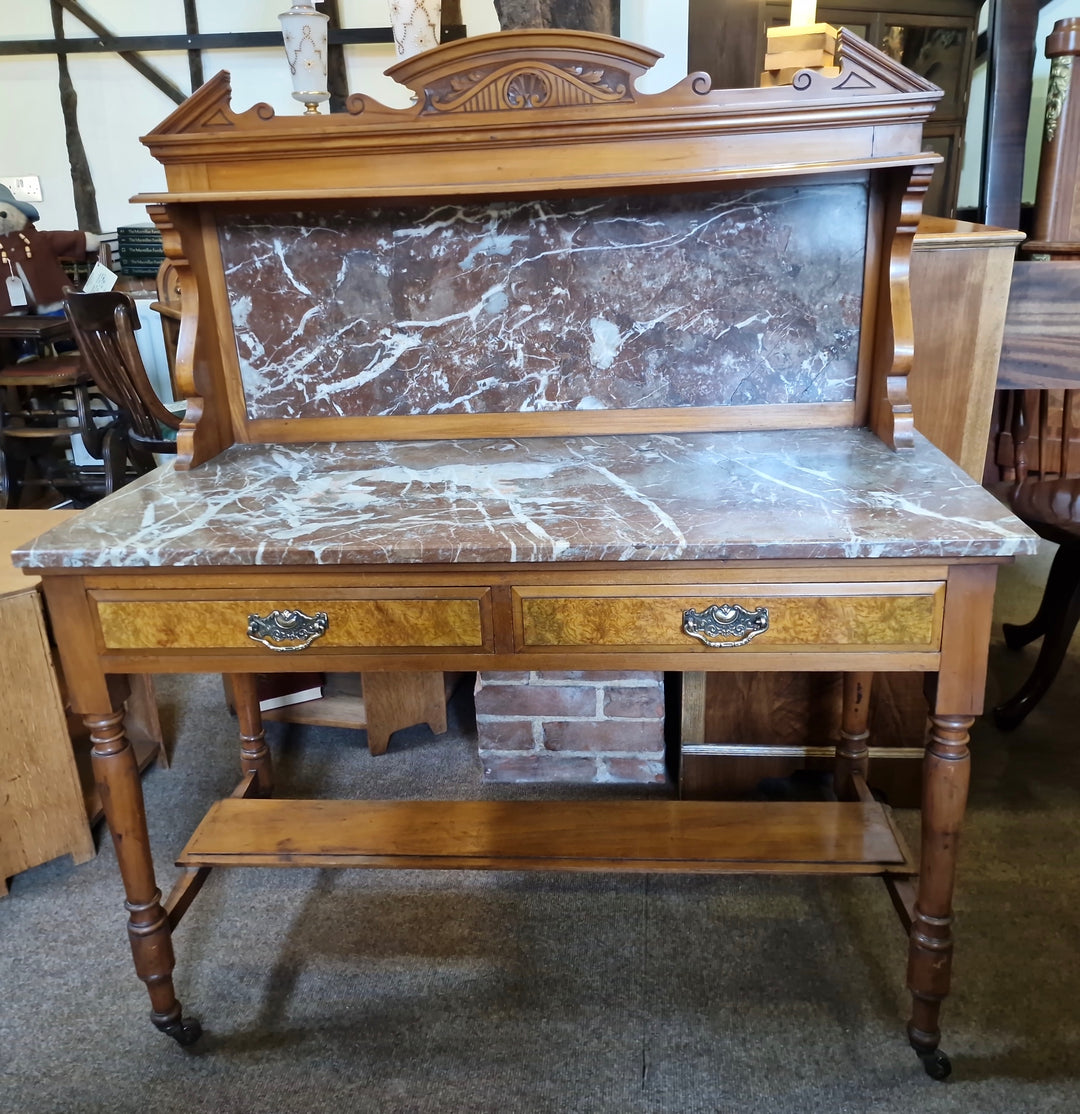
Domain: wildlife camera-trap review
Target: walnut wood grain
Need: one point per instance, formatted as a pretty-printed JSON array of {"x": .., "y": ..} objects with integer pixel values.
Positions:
[{"x": 1042, "y": 328}]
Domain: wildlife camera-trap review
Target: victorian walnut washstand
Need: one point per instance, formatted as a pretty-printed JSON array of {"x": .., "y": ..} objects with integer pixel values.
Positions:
[{"x": 541, "y": 373}]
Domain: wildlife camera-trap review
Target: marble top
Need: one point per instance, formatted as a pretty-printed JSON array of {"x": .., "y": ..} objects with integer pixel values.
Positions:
[
  {"x": 791, "y": 495},
  {"x": 728, "y": 297}
]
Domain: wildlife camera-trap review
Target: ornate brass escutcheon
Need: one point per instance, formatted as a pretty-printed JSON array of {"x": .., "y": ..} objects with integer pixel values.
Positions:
[
  {"x": 725, "y": 625},
  {"x": 287, "y": 630}
]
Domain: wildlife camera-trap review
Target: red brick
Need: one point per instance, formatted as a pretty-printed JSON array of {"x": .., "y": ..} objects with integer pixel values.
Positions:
[
  {"x": 536, "y": 768},
  {"x": 600, "y": 675},
  {"x": 634, "y": 703},
  {"x": 504, "y": 734},
  {"x": 612, "y": 736},
  {"x": 644, "y": 771},
  {"x": 534, "y": 700},
  {"x": 484, "y": 679}
]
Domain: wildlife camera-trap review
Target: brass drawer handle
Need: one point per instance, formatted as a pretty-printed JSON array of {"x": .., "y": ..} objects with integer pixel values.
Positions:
[
  {"x": 725, "y": 625},
  {"x": 293, "y": 627}
]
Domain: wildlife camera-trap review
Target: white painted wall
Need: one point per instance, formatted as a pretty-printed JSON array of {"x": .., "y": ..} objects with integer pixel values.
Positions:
[
  {"x": 117, "y": 105},
  {"x": 664, "y": 27}
]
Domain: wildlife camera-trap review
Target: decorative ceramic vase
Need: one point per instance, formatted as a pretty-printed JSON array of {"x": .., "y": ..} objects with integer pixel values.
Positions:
[
  {"x": 416, "y": 25},
  {"x": 304, "y": 31}
]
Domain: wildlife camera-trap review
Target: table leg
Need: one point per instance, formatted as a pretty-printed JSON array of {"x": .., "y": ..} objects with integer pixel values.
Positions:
[
  {"x": 117, "y": 776},
  {"x": 945, "y": 786},
  {"x": 254, "y": 753},
  {"x": 852, "y": 751}
]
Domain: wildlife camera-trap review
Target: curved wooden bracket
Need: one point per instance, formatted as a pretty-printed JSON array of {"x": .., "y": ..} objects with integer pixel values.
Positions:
[
  {"x": 184, "y": 368},
  {"x": 892, "y": 418}
]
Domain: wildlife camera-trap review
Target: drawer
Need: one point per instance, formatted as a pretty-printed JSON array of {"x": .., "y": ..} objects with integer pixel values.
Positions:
[
  {"x": 373, "y": 619},
  {"x": 740, "y": 619}
]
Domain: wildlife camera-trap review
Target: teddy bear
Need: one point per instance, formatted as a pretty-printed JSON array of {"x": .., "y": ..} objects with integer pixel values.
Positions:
[{"x": 31, "y": 277}]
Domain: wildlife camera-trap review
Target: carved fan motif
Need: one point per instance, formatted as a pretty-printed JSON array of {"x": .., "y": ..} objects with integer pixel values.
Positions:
[{"x": 539, "y": 85}]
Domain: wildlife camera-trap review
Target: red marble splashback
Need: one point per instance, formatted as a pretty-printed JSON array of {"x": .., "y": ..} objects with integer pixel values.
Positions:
[{"x": 693, "y": 299}]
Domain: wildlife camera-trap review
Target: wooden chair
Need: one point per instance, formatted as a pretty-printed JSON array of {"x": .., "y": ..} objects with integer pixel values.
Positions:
[
  {"x": 104, "y": 327},
  {"x": 45, "y": 403},
  {"x": 1038, "y": 457}
]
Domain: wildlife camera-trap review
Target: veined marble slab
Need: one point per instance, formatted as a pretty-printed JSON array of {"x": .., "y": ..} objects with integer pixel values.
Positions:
[
  {"x": 822, "y": 493},
  {"x": 717, "y": 298}
]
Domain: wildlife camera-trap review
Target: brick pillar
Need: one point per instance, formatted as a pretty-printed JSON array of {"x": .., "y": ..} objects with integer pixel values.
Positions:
[{"x": 588, "y": 727}]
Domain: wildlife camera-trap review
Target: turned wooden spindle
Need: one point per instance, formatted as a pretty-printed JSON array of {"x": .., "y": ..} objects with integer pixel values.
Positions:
[
  {"x": 254, "y": 753},
  {"x": 1057, "y": 217},
  {"x": 852, "y": 750}
]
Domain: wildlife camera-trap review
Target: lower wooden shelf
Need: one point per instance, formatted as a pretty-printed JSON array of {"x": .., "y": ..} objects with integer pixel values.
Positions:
[{"x": 677, "y": 836}]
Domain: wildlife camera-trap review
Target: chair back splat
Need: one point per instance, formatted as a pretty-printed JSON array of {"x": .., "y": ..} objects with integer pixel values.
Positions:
[
  {"x": 1038, "y": 457},
  {"x": 104, "y": 326}
]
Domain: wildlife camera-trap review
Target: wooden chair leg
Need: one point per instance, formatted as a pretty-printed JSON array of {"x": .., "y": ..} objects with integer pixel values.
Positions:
[
  {"x": 1060, "y": 585},
  {"x": 1060, "y": 611}
]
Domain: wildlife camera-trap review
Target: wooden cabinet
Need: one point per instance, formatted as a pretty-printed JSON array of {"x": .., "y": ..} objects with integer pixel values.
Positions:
[
  {"x": 42, "y": 815},
  {"x": 546, "y": 370},
  {"x": 936, "y": 40}
]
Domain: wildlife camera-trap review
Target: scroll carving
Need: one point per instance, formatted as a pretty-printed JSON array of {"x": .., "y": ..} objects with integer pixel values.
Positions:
[
  {"x": 864, "y": 70},
  {"x": 1056, "y": 93},
  {"x": 895, "y": 421},
  {"x": 184, "y": 367},
  {"x": 538, "y": 85}
]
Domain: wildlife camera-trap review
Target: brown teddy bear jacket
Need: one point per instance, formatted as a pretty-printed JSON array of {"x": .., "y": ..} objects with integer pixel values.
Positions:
[{"x": 37, "y": 260}]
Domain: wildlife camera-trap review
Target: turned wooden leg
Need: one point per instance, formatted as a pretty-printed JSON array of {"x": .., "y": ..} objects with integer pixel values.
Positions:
[
  {"x": 1055, "y": 621},
  {"x": 117, "y": 776},
  {"x": 254, "y": 753},
  {"x": 945, "y": 785},
  {"x": 852, "y": 751}
]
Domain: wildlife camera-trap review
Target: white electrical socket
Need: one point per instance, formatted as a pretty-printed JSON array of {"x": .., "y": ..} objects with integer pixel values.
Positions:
[{"x": 26, "y": 187}]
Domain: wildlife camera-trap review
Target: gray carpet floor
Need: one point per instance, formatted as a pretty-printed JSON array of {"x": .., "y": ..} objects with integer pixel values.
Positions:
[{"x": 502, "y": 992}]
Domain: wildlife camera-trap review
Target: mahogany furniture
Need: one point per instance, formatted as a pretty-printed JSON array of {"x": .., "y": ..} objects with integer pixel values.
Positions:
[
  {"x": 1038, "y": 455},
  {"x": 935, "y": 38},
  {"x": 104, "y": 327},
  {"x": 543, "y": 370}
]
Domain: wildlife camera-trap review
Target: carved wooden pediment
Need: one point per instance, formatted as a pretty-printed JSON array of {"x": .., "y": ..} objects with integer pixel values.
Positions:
[
  {"x": 864, "y": 70},
  {"x": 210, "y": 109},
  {"x": 522, "y": 71}
]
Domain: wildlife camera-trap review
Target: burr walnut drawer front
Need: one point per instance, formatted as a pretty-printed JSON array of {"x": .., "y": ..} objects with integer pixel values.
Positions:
[
  {"x": 383, "y": 619},
  {"x": 740, "y": 619}
]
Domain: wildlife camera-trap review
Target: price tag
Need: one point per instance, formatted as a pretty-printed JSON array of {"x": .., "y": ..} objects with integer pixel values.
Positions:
[
  {"x": 100, "y": 280},
  {"x": 16, "y": 292}
]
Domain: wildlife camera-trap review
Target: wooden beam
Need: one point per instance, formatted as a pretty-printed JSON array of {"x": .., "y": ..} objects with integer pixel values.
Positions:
[
  {"x": 337, "y": 78},
  {"x": 86, "y": 210},
  {"x": 154, "y": 76},
  {"x": 191, "y": 25},
  {"x": 151, "y": 43}
]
